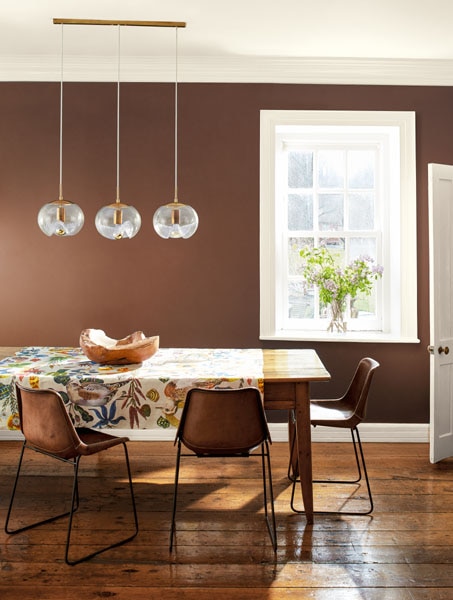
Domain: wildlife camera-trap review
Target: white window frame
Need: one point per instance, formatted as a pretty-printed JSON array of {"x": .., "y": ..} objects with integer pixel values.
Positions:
[{"x": 398, "y": 288}]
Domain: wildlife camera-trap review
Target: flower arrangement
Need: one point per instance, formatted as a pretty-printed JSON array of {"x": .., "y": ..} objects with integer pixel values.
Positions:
[{"x": 335, "y": 283}]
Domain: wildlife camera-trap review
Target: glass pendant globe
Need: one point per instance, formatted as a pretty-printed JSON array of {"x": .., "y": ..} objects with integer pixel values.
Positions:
[
  {"x": 118, "y": 221},
  {"x": 61, "y": 218},
  {"x": 175, "y": 220}
]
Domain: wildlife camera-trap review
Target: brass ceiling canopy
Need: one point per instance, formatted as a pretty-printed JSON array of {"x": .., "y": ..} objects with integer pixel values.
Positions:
[{"x": 121, "y": 22}]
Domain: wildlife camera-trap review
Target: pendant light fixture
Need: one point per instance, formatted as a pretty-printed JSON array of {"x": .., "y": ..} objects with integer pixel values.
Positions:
[
  {"x": 118, "y": 221},
  {"x": 175, "y": 220},
  {"x": 61, "y": 217}
]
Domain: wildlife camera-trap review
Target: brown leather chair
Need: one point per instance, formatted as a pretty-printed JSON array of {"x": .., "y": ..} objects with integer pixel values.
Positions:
[
  {"x": 345, "y": 412},
  {"x": 48, "y": 429},
  {"x": 224, "y": 423}
]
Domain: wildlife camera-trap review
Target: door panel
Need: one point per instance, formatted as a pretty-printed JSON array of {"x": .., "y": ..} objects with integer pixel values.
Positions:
[{"x": 441, "y": 310}]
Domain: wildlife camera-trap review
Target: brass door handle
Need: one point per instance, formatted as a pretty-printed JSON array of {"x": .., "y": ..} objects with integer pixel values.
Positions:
[{"x": 441, "y": 350}]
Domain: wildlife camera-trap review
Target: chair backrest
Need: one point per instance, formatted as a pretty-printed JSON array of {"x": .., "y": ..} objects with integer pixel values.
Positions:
[
  {"x": 223, "y": 422},
  {"x": 45, "y": 423},
  {"x": 356, "y": 396}
]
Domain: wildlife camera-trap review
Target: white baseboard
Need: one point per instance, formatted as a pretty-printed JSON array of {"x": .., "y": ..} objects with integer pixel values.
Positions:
[{"x": 369, "y": 432}]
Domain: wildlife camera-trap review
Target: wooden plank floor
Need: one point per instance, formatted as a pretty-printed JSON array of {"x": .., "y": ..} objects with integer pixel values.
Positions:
[{"x": 403, "y": 551}]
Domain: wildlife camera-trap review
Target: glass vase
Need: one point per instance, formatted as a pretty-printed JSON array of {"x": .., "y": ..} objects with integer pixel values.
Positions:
[{"x": 337, "y": 323}]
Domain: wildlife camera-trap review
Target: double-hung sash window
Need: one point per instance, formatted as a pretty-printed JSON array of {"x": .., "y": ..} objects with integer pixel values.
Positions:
[{"x": 346, "y": 181}]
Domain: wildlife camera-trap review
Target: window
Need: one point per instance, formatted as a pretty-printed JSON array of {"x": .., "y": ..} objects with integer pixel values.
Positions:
[{"x": 344, "y": 180}]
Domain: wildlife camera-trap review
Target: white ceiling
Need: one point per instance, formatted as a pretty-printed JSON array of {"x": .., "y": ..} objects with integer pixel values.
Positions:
[{"x": 350, "y": 41}]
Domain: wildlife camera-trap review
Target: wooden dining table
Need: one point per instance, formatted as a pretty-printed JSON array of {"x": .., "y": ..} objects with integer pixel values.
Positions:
[
  {"x": 287, "y": 378},
  {"x": 151, "y": 395}
]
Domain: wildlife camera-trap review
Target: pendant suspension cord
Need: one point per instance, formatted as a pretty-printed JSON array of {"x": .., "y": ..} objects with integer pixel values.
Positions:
[
  {"x": 176, "y": 114},
  {"x": 61, "y": 118},
  {"x": 118, "y": 119}
]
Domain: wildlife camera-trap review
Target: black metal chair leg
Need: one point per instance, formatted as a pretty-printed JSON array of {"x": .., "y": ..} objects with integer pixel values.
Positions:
[
  {"x": 359, "y": 470},
  {"x": 13, "y": 493},
  {"x": 74, "y": 506},
  {"x": 291, "y": 474},
  {"x": 365, "y": 473},
  {"x": 75, "y": 487},
  {"x": 175, "y": 494},
  {"x": 271, "y": 523},
  {"x": 131, "y": 488},
  {"x": 74, "y": 503},
  {"x": 268, "y": 494},
  {"x": 292, "y": 443},
  {"x": 355, "y": 434}
]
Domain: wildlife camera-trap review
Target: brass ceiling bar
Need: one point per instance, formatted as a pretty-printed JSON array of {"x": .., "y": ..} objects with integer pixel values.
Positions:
[{"x": 125, "y": 23}]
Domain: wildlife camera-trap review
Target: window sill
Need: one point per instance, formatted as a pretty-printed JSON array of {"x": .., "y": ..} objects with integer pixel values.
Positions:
[{"x": 349, "y": 336}]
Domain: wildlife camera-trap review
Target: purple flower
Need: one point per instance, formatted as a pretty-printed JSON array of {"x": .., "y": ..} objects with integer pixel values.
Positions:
[{"x": 330, "y": 285}]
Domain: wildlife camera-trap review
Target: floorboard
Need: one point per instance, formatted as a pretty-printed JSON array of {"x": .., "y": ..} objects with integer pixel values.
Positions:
[{"x": 402, "y": 551}]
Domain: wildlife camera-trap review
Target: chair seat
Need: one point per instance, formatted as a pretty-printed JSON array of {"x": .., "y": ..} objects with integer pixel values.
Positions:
[
  {"x": 331, "y": 413},
  {"x": 96, "y": 440}
]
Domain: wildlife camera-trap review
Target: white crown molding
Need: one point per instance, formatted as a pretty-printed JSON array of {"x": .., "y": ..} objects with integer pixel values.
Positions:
[{"x": 233, "y": 69}]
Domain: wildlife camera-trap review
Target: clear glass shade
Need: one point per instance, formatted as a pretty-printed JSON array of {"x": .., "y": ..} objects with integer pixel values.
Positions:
[
  {"x": 175, "y": 220},
  {"x": 118, "y": 221},
  {"x": 60, "y": 218}
]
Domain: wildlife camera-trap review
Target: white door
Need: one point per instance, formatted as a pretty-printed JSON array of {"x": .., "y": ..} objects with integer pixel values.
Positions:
[{"x": 441, "y": 310}]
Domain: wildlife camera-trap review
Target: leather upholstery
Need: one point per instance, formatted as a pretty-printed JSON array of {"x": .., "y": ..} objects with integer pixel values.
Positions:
[
  {"x": 226, "y": 422},
  {"x": 349, "y": 410},
  {"x": 47, "y": 427}
]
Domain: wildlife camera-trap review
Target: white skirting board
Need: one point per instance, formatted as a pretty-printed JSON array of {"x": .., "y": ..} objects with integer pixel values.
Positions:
[{"x": 369, "y": 432}]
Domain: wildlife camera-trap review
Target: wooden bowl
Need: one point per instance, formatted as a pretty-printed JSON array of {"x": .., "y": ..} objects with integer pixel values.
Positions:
[{"x": 135, "y": 348}]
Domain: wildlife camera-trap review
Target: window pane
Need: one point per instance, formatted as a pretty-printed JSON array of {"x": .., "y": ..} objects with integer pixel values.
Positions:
[
  {"x": 301, "y": 301},
  {"x": 363, "y": 306},
  {"x": 300, "y": 169},
  {"x": 295, "y": 245},
  {"x": 362, "y": 247},
  {"x": 331, "y": 212},
  {"x": 361, "y": 211},
  {"x": 337, "y": 246},
  {"x": 300, "y": 212},
  {"x": 331, "y": 168},
  {"x": 361, "y": 169}
]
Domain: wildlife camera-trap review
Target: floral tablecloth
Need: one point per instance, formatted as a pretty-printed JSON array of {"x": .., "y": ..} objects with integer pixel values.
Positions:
[{"x": 144, "y": 396}]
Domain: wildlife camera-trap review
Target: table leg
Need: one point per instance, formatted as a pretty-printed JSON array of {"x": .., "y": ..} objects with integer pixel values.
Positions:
[{"x": 303, "y": 436}]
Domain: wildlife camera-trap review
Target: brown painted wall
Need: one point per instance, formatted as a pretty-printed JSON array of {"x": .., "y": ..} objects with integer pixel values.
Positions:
[{"x": 198, "y": 292}]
